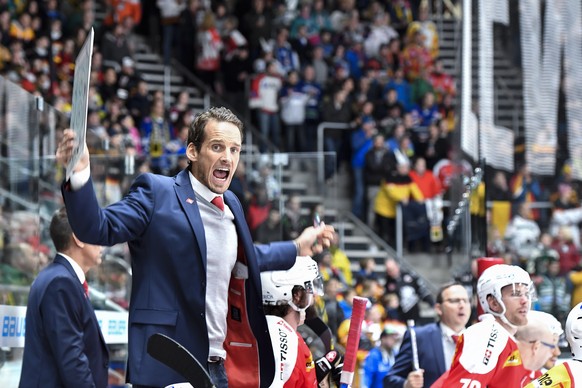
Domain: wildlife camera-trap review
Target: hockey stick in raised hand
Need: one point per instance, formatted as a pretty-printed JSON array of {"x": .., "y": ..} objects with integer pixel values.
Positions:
[{"x": 177, "y": 357}]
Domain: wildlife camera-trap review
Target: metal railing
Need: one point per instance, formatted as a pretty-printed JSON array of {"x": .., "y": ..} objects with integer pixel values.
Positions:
[
  {"x": 398, "y": 256},
  {"x": 463, "y": 217}
]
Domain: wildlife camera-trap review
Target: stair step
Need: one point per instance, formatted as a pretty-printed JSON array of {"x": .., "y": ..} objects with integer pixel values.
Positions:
[
  {"x": 344, "y": 228},
  {"x": 329, "y": 215},
  {"x": 160, "y": 78},
  {"x": 150, "y": 67},
  {"x": 379, "y": 269},
  {"x": 357, "y": 254},
  {"x": 147, "y": 57},
  {"x": 192, "y": 101},
  {"x": 356, "y": 242},
  {"x": 298, "y": 187}
]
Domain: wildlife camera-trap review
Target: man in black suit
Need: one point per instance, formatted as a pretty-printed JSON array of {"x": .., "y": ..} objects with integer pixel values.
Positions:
[
  {"x": 64, "y": 346},
  {"x": 435, "y": 342}
]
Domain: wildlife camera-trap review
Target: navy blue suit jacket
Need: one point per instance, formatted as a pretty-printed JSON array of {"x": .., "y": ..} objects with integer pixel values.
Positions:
[
  {"x": 160, "y": 220},
  {"x": 430, "y": 357},
  {"x": 63, "y": 346}
]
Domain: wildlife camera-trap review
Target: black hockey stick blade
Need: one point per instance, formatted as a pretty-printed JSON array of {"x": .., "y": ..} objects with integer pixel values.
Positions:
[
  {"x": 177, "y": 357},
  {"x": 319, "y": 327},
  {"x": 322, "y": 330}
]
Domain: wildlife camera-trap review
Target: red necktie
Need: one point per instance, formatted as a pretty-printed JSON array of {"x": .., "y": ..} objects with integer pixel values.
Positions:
[
  {"x": 455, "y": 338},
  {"x": 86, "y": 288},
  {"x": 217, "y": 201}
]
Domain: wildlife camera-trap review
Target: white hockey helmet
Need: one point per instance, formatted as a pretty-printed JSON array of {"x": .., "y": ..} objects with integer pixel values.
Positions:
[
  {"x": 552, "y": 324},
  {"x": 574, "y": 331},
  {"x": 494, "y": 278},
  {"x": 278, "y": 285}
]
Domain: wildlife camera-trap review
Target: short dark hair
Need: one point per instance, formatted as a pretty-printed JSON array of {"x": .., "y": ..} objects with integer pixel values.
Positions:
[
  {"x": 444, "y": 287},
  {"x": 197, "y": 130},
  {"x": 60, "y": 230},
  {"x": 281, "y": 309}
]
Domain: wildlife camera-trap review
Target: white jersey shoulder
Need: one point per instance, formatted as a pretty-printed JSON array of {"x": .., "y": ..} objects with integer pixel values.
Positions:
[
  {"x": 482, "y": 344},
  {"x": 285, "y": 344}
]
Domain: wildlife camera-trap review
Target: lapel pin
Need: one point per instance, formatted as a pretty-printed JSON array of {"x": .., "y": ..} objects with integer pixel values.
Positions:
[{"x": 190, "y": 201}]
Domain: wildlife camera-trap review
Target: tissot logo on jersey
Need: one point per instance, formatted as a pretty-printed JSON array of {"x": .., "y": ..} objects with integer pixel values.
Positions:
[
  {"x": 490, "y": 345},
  {"x": 283, "y": 346}
]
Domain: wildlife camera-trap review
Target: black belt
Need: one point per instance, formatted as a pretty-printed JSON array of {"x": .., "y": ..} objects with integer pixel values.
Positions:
[{"x": 215, "y": 360}]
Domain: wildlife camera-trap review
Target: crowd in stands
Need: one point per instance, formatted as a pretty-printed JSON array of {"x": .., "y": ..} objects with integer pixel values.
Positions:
[{"x": 372, "y": 66}]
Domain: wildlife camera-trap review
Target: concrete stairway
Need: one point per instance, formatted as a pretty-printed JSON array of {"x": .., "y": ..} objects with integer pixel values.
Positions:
[
  {"x": 508, "y": 93},
  {"x": 150, "y": 65},
  {"x": 152, "y": 69}
]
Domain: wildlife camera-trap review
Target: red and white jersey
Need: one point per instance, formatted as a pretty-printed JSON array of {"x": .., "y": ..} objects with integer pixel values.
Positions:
[
  {"x": 529, "y": 376},
  {"x": 294, "y": 366},
  {"x": 264, "y": 93},
  {"x": 565, "y": 375},
  {"x": 486, "y": 356}
]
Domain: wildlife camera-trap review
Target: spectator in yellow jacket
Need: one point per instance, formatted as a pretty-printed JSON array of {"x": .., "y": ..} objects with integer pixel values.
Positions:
[
  {"x": 398, "y": 188},
  {"x": 340, "y": 260}
]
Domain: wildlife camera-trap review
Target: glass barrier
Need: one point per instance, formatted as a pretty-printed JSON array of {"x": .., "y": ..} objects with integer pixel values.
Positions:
[{"x": 30, "y": 193}]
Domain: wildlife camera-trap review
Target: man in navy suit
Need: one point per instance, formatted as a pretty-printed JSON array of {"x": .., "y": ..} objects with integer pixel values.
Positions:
[
  {"x": 435, "y": 342},
  {"x": 195, "y": 267},
  {"x": 64, "y": 346}
]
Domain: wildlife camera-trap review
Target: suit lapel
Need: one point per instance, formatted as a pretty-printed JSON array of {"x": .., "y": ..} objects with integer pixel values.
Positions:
[
  {"x": 187, "y": 200},
  {"x": 233, "y": 204},
  {"x": 439, "y": 355},
  {"x": 61, "y": 260},
  {"x": 244, "y": 236}
]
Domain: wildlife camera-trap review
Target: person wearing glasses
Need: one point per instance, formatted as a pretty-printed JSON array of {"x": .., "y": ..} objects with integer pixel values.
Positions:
[
  {"x": 435, "y": 342},
  {"x": 556, "y": 328},
  {"x": 487, "y": 354},
  {"x": 537, "y": 342},
  {"x": 568, "y": 373}
]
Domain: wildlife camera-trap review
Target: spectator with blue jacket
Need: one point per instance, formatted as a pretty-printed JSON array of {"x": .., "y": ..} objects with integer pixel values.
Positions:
[
  {"x": 362, "y": 141},
  {"x": 381, "y": 358}
]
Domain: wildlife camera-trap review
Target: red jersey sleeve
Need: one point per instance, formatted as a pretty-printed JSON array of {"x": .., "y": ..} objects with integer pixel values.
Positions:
[{"x": 486, "y": 356}]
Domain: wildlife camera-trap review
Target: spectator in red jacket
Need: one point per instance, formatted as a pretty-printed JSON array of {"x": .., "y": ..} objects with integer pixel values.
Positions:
[
  {"x": 569, "y": 255},
  {"x": 428, "y": 184},
  {"x": 258, "y": 210}
]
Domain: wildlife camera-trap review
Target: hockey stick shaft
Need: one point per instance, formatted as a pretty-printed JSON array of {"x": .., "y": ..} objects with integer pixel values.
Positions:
[
  {"x": 415, "y": 362},
  {"x": 358, "y": 311}
]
